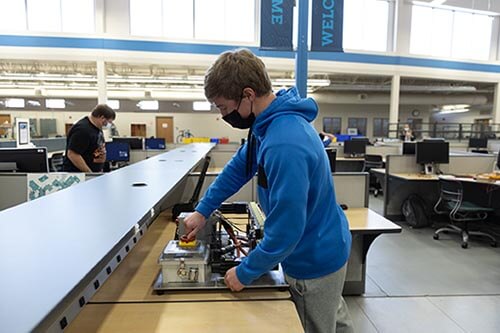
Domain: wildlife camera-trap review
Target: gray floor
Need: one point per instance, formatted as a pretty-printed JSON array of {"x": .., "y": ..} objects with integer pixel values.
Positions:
[{"x": 418, "y": 284}]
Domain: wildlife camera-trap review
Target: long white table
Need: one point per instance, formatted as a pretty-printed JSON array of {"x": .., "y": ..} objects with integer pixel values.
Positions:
[{"x": 57, "y": 248}]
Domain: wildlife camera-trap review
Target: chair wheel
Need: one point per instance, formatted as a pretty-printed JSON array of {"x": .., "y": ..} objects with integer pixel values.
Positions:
[
  {"x": 464, "y": 245},
  {"x": 435, "y": 236},
  {"x": 494, "y": 244}
]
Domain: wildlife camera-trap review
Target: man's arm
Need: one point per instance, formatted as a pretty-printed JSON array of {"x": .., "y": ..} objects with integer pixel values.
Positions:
[{"x": 78, "y": 161}]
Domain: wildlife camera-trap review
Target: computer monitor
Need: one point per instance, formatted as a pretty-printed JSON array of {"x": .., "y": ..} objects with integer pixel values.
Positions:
[
  {"x": 155, "y": 143},
  {"x": 354, "y": 148},
  {"x": 117, "y": 152},
  {"x": 408, "y": 148},
  {"x": 24, "y": 159},
  {"x": 360, "y": 138},
  {"x": 135, "y": 143},
  {"x": 478, "y": 143},
  {"x": 332, "y": 157},
  {"x": 433, "y": 152}
]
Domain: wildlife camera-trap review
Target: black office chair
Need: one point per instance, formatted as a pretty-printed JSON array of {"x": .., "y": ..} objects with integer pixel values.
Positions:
[
  {"x": 332, "y": 158},
  {"x": 451, "y": 203},
  {"x": 373, "y": 162},
  {"x": 56, "y": 162}
]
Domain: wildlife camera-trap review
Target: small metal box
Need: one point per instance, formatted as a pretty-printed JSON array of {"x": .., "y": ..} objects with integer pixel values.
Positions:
[{"x": 189, "y": 265}]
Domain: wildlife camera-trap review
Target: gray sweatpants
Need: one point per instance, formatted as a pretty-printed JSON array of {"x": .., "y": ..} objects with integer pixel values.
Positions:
[{"x": 320, "y": 304}]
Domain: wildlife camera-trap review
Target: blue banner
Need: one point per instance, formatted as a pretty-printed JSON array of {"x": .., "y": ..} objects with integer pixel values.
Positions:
[
  {"x": 276, "y": 24},
  {"x": 327, "y": 22}
]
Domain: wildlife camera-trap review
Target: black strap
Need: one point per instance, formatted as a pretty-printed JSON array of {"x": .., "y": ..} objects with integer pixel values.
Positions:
[{"x": 250, "y": 151}]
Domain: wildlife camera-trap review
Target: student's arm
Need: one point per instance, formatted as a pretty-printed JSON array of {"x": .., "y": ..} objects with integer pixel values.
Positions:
[{"x": 78, "y": 161}]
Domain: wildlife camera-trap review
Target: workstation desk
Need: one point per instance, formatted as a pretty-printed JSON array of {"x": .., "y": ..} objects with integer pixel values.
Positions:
[
  {"x": 58, "y": 250},
  {"x": 127, "y": 299},
  {"x": 403, "y": 178}
]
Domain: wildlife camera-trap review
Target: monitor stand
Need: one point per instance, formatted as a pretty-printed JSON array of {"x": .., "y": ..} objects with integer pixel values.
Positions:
[{"x": 429, "y": 169}]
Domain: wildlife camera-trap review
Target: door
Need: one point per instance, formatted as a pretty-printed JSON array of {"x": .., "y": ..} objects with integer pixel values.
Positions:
[
  {"x": 165, "y": 128},
  {"x": 138, "y": 130},
  {"x": 67, "y": 127},
  {"x": 5, "y": 124}
]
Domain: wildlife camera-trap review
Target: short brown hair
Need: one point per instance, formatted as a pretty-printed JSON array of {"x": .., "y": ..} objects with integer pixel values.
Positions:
[
  {"x": 104, "y": 111},
  {"x": 234, "y": 71}
]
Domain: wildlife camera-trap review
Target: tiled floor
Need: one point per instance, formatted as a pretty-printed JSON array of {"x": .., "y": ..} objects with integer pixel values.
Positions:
[{"x": 418, "y": 284}]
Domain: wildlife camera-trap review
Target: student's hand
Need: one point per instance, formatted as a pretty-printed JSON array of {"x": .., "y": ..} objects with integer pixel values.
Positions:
[
  {"x": 100, "y": 155},
  {"x": 194, "y": 222},
  {"x": 232, "y": 281}
]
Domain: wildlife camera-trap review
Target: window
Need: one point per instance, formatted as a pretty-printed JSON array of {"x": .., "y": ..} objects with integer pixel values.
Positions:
[
  {"x": 366, "y": 24},
  {"x": 359, "y": 123},
  {"x": 218, "y": 20},
  {"x": 12, "y": 15},
  {"x": 146, "y": 17},
  {"x": 78, "y": 16},
  {"x": 178, "y": 19},
  {"x": 332, "y": 125},
  {"x": 380, "y": 127},
  {"x": 44, "y": 15},
  {"x": 61, "y": 16},
  {"x": 450, "y": 33}
]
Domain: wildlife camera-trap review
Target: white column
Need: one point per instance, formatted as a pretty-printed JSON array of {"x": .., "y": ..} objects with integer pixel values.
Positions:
[
  {"x": 394, "y": 106},
  {"x": 99, "y": 17},
  {"x": 102, "y": 95},
  {"x": 495, "y": 113}
]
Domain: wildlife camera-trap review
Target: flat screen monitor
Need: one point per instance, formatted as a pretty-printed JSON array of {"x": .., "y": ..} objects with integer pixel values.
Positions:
[
  {"x": 117, "y": 152},
  {"x": 478, "y": 143},
  {"x": 25, "y": 159},
  {"x": 155, "y": 143},
  {"x": 354, "y": 147},
  {"x": 332, "y": 157},
  {"x": 135, "y": 143},
  {"x": 409, "y": 148},
  {"x": 428, "y": 152}
]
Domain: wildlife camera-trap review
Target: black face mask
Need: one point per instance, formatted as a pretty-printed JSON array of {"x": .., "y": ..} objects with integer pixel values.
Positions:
[{"x": 234, "y": 119}]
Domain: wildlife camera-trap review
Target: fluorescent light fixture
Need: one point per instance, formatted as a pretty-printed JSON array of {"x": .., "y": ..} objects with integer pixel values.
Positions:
[
  {"x": 454, "y": 108},
  {"x": 56, "y": 103},
  {"x": 14, "y": 102},
  {"x": 310, "y": 82},
  {"x": 113, "y": 103},
  {"x": 438, "y": 2},
  {"x": 201, "y": 106},
  {"x": 148, "y": 105},
  {"x": 33, "y": 103},
  {"x": 454, "y": 111}
]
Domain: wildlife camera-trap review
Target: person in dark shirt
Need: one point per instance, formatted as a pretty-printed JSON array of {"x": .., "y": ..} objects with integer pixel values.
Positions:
[{"x": 85, "y": 147}]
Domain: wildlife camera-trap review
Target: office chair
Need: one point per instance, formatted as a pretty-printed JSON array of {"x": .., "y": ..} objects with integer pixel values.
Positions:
[
  {"x": 56, "y": 162},
  {"x": 332, "y": 158},
  {"x": 451, "y": 202},
  {"x": 373, "y": 162}
]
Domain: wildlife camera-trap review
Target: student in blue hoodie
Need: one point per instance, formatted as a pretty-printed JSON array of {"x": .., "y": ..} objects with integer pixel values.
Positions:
[{"x": 305, "y": 229}]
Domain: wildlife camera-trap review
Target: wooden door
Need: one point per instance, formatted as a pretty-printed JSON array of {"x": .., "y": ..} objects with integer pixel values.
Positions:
[
  {"x": 165, "y": 128},
  {"x": 4, "y": 123},
  {"x": 138, "y": 130},
  {"x": 67, "y": 127}
]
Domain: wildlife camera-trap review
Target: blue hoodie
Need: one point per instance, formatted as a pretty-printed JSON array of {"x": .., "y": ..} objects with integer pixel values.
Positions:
[{"x": 305, "y": 229}]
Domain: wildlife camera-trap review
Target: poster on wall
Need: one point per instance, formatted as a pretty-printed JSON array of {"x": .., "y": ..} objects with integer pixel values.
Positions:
[
  {"x": 22, "y": 132},
  {"x": 40, "y": 185}
]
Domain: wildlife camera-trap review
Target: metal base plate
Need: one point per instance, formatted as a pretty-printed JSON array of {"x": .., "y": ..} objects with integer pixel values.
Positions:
[{"x": 273, "y": 279}]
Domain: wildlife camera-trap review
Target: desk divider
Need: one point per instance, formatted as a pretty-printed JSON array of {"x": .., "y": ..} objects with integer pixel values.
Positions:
[
  {"x": 351, "y": 188},
  {"x": 468, "y": 164}
]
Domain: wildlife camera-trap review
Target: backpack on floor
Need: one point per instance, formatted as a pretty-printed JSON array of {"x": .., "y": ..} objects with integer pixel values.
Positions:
[{"x": 415, "y": 212}]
